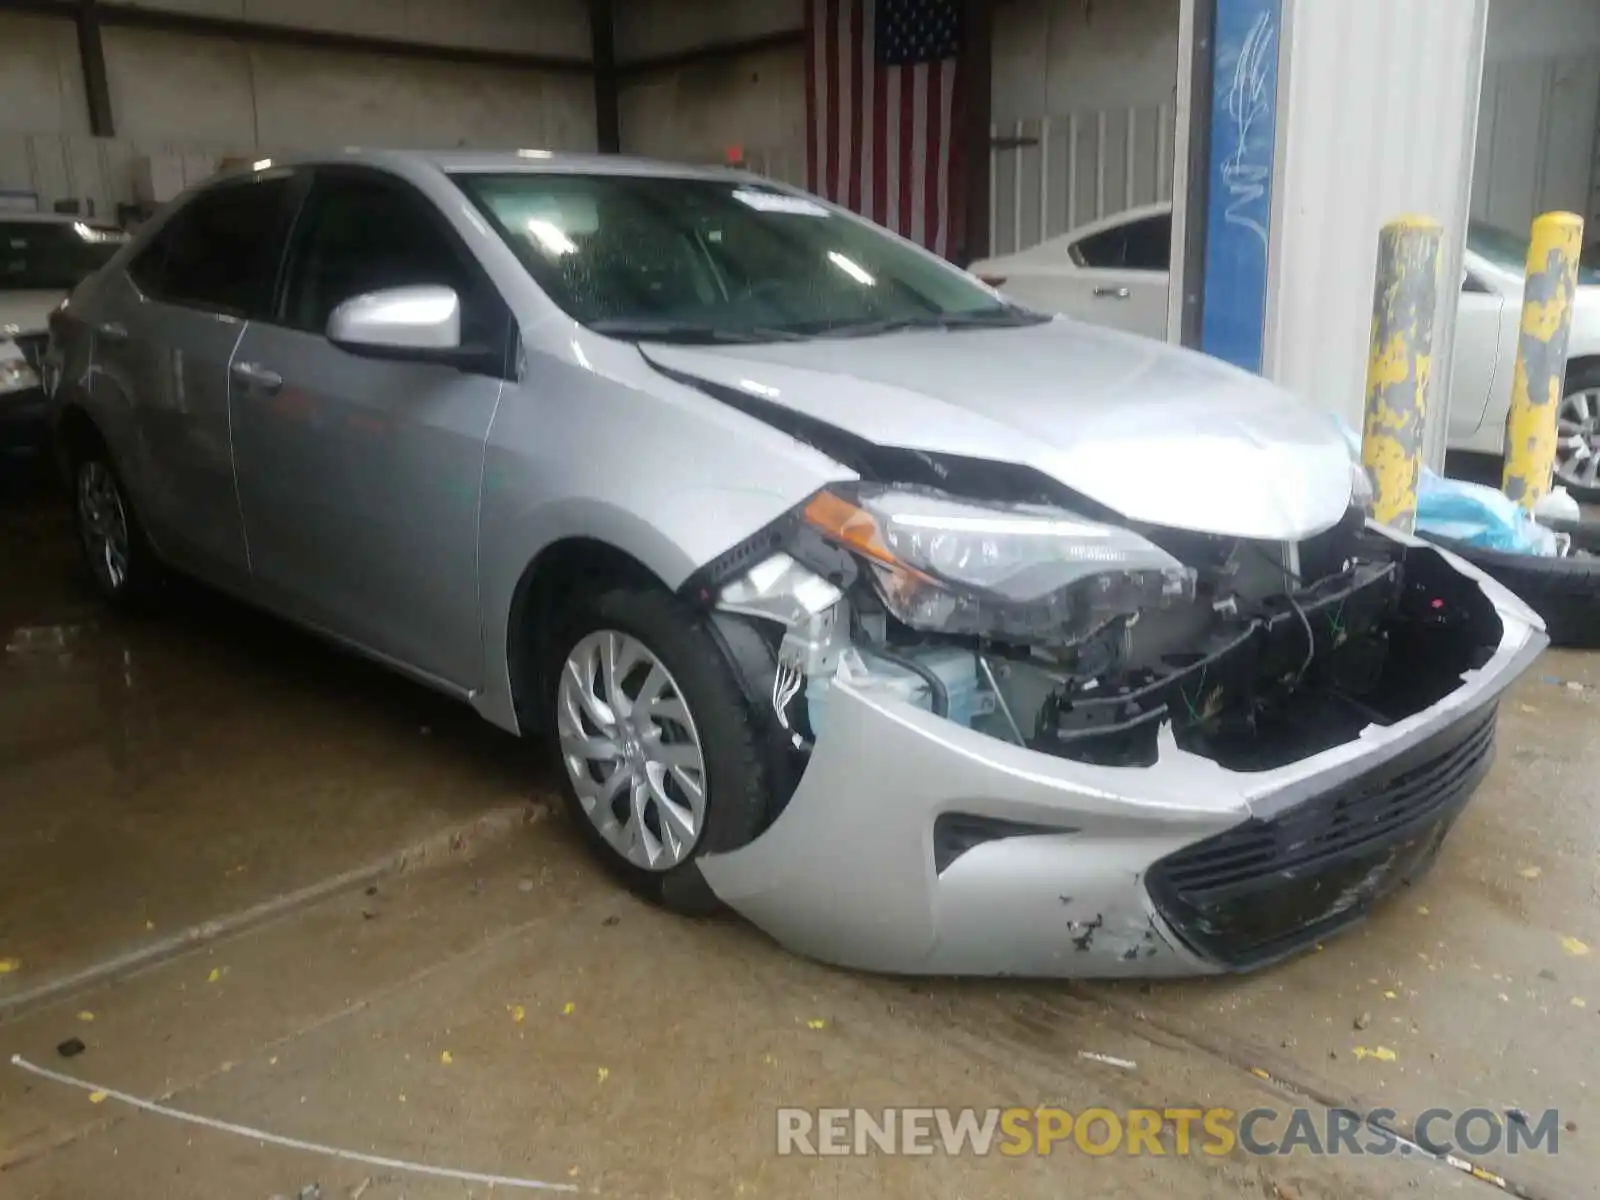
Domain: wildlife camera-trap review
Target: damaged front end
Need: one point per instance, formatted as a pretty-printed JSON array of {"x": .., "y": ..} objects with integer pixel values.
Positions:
[{"x": 1135, "y": 662}]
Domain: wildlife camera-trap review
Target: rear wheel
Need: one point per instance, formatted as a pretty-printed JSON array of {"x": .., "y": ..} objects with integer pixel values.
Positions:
[
  {"x": 121, "y": 564},
  {"x": 655, "y": 742}
]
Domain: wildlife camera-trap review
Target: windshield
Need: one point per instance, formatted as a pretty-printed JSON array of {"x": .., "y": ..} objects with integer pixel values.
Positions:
[
  {"x": 1509, "y": 251},
  {"x": 53, "y": 255},
  {"x": 719, "y": 259}
]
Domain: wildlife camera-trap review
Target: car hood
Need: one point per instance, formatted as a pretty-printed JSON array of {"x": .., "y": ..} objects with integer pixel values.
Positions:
[
  {"x": 1159, "y": 434},
  {"x": 27, "y": 312}
]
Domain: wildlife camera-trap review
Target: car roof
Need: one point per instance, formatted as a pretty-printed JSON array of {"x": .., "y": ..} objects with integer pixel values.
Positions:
[{"x": 453, "y": 162}]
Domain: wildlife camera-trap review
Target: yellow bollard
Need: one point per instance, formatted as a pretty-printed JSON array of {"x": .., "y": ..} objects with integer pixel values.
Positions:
[
  {"x": 1541, "y": 356},
  {"x": 1401, "y": 362}
]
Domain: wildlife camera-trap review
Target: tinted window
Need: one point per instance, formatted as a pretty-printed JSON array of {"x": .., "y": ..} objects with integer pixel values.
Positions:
[
  {"x": 717, "y": 255},
  {"x": 221, "y": 250},
  {"x": 365, "y": 233},
  {"x": 53, "y": 255},
  {"x": 1143, "y": 245}
]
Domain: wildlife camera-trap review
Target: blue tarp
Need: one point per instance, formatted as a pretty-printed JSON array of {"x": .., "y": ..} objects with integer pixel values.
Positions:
[{"x": 1472, "y": 513}]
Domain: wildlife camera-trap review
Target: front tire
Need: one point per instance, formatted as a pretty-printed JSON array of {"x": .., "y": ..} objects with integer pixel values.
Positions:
[
  {"x": 655, "y": 744},
  {"x": 121, "y": 564}
]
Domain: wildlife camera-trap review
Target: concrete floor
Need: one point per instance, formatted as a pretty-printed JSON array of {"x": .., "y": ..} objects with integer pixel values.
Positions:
[{"x": 500, "y": 1007}]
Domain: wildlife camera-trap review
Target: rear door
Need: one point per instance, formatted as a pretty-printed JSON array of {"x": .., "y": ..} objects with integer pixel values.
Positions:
[
  {"x": 360, "y": 476},
  {"x": 164, "y": 339}
]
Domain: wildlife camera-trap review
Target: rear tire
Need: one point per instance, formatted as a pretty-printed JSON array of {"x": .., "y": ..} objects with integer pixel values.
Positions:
[
  {"x": 654, "y": 743},
  {"x": 121, "y": 564},
  {"x": 1564, "y": 591}
]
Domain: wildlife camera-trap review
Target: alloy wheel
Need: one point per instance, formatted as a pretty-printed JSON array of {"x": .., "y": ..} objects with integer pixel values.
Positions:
[
  {"x": 631, "y": 749},
  {"x": 1578, "y": 439},
  {"x": 103, "y": 525}
]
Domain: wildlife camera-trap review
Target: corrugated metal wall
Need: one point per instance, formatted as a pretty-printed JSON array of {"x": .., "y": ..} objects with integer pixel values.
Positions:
[
  {"x": 1536, "y": 137},
  {"x": 1083, "y": 104},
  {"x": 1051, "y": 174},
  {"x": 694, "y": 113},
  {"x": 1539, "y": 134},
  {"x": 1377, "y": 118},
  {"x": 202, "y": 98}
]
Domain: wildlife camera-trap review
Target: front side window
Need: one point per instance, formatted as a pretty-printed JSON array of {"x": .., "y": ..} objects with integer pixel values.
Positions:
[
  {"x": 220, "y": 250},
  {"x": 53, "y": 256},
  {"x": 364, "y": 232},
  {"x": 710, "y": 258}
]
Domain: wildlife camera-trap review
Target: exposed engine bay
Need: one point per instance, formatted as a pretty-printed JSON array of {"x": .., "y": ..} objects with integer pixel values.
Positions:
[{"x": 1083, "y": 638}]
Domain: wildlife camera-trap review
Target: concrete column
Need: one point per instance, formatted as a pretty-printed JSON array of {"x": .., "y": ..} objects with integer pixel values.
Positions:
[{"x": 1377, "y": 115}]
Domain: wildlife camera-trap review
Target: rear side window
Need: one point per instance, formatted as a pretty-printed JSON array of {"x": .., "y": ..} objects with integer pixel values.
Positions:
[
  {"x": 219, "y": 252},
  {"x": 1143, "y": 245}
]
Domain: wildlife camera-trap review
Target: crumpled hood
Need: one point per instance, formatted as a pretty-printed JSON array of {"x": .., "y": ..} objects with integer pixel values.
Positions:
[
  {"x": 1159, "y": 434},
  {"x": 29, "y": 312}
]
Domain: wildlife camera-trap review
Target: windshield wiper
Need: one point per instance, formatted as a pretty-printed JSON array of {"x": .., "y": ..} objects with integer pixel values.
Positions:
[
  {"x": 649, "y": 329},
  {"x": 1011, "y": 316}
]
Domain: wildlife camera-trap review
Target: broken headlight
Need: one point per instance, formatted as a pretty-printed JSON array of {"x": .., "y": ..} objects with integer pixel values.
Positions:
[{"x": 1011, "y": 572}]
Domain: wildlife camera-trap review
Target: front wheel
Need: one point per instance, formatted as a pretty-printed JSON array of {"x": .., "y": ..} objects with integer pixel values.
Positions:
[{"x": 656, "y": 744}]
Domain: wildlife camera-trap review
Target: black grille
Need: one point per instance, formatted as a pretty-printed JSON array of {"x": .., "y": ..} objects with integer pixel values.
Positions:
[
  {"x": 1267, "y": 887},
  {"x": 32, "y": 346}
]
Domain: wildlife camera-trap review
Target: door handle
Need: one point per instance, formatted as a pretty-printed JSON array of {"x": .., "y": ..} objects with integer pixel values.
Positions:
[
  {"x": 256, "y": 376},
  {"x": 1112, "y": 293},
  {"x": 112, "y": 331}
]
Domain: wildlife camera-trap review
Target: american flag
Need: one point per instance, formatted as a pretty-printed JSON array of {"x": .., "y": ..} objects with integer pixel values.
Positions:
[{"x": 881, "y": 104}]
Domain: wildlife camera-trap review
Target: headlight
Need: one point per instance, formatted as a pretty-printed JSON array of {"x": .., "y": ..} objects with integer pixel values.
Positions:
[
  {"x": 1012, "y": 572},
  {"x": 15, "y": 373}
]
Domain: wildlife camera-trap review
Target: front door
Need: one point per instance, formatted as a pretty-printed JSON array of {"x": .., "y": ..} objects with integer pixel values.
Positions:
[{"x": 360, "y": 477}]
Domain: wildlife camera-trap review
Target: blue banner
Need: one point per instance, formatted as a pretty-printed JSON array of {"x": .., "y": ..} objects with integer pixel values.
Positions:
[{"x": 1244, "y": 120}]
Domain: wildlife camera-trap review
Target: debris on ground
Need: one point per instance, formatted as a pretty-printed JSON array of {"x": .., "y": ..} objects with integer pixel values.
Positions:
[
  {"x": 8, "y": 965},
  {"x": 1547, "y": 973},
  {"x": 70, "y": 1048},
  {"x": 568, "y": 1008},
  {"x": 1381, "y": 1053},
  {"x": 1363, "y": 1020},
  {"x": 524, "y": 885},
  {"x": 612, "y": 920},
  {"x": 445, "y": 1058},
  {"x": 97, "y": 1097},
  {"x": 1127, "y": 1064},
  {"x": 603, "y": 1074},
  {"x": 1530, "y": 872},
  {"x": 86, "y": 1015},
  {"x": 1574, "y": 947}
]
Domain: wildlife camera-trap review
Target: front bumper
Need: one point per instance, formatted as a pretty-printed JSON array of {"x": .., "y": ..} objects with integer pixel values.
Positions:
[{"x": 915, "y": 845}]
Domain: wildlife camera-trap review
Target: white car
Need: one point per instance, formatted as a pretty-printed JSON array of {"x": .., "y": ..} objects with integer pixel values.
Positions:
[
  {"x": 43, "y": 256},
  {"x": 1114, "y": 272}
]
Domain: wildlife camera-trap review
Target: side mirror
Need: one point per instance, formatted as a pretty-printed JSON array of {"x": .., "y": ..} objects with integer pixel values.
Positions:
[{"x": 402, "y": 322}]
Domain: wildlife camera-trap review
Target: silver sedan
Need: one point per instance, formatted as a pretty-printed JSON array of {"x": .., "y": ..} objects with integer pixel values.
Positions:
[{"x": 930, "y": 633}]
